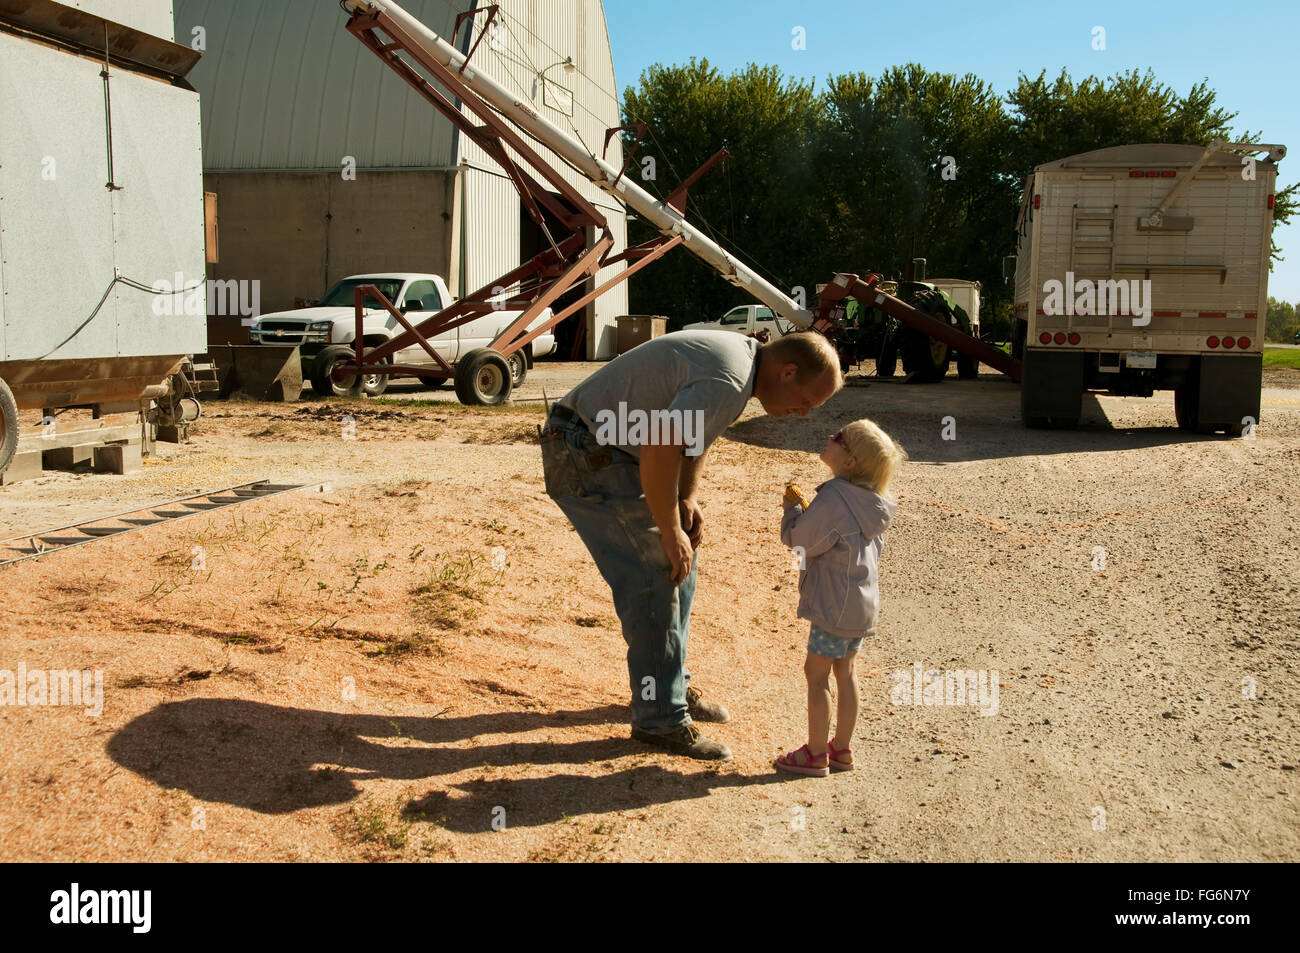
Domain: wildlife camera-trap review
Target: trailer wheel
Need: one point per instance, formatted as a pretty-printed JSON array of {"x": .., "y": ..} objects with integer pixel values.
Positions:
[
  {"x": 518, "y": 362},
  {"x": 1186, "y": 396},
  {"x": 1187, "y": 399},
  {"x": 8, "y": 425},
  {"x": 483, "y": 378}
]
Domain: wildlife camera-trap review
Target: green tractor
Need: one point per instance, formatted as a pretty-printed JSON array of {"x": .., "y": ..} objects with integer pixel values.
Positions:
[{"x": 873, "y": 334}]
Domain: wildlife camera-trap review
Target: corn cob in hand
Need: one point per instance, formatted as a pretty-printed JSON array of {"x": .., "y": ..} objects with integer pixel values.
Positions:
[{"x": 795, "y": 495}]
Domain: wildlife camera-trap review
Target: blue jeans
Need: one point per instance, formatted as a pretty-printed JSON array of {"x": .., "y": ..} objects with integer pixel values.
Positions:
[{"x": 599, "y": 489}]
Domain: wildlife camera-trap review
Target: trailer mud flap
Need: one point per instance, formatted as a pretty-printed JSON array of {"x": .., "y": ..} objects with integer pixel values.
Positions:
[
  {"x": 1229, "y": 390},
  {"x": 1051, "y": 388}
]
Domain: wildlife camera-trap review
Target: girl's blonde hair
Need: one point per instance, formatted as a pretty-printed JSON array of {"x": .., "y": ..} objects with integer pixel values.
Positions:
[{"x": 878, "y": 456}]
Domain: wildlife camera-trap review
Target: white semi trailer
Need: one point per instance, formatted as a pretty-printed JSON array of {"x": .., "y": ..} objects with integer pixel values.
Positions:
[{"x": 1143, "y": 268}]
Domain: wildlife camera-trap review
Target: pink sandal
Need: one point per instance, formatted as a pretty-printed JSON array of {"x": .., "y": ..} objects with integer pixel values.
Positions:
[
  {"x": 787, "y": 762},
  {"x": 835, "y": 763}
]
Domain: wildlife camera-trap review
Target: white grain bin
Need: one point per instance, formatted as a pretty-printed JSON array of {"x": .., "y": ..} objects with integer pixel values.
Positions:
[{"x": 101, "y": 202}]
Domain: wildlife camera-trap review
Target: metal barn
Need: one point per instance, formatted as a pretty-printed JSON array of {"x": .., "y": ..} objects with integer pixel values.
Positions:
[{"x": 325, "y": 164}]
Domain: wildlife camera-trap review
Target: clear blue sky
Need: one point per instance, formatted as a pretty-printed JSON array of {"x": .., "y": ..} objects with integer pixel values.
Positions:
[{"x": 1248, "y": 51}]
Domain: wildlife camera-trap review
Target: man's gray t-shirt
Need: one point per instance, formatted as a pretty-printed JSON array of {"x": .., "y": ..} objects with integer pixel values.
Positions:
[{"x": 689, "y": 383}]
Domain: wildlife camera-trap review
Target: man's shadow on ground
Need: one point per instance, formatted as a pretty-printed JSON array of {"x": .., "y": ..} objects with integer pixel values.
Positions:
[{"x": 275, "y": 760}]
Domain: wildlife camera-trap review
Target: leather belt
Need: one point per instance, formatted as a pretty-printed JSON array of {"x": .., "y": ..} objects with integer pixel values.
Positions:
[{"x": 564, "y": 414}]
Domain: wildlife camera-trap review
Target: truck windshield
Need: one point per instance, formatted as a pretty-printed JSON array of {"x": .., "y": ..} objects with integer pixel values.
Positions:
[{"x": 342, "y": 294}]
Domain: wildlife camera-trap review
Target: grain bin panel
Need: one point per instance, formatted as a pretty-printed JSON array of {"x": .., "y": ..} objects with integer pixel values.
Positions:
[
  {"x": 65, "y": 236},
  {"x": 56, "y": 218},
  {"x": 158, "y": 216},
  {"x": 148, "y": 16}
]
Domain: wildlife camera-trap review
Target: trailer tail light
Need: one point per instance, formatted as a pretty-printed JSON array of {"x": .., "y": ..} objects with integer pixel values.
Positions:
[
  {"x": 1270, "y": 201},
  {"x": 1059, "y": 337},
  {"x": 1074, "y": 337},
  {"x": 1212, "y": 341},
  {"x": 1045, "y": 338},
  {"x": 1135, "y": 173},
  {"x": 1227, "y": 341},
  {"x": 1243, "y": 343},
  {"x": 1170, "y": 174},
  {"x": 1038, "y": 200}
]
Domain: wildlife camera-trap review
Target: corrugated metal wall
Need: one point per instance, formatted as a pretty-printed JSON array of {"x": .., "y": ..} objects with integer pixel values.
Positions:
[
  {"x": 286, "y": 87},
  {"x": 535, "y": 37}
]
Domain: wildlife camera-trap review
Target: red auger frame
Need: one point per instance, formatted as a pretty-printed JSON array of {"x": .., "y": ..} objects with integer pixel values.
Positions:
[{"x": 539, "y": 281}]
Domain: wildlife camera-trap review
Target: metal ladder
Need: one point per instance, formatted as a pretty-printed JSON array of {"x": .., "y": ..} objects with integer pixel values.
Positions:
[{"x": 32, "y": 545}]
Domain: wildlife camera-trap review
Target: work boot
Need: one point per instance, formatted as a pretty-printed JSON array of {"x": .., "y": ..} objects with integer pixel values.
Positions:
[
  {"x": 686, "y": 740},
  {"x": 702, "y": 710}
]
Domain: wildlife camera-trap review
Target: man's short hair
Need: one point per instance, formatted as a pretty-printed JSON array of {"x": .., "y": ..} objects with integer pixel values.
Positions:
[{"x": 810, "y": 351}]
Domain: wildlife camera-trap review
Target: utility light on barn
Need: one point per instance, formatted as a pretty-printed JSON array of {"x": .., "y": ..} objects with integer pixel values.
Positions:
[
  {"x": 555, "y": 95},
  {"x": 567, "y": 63}
]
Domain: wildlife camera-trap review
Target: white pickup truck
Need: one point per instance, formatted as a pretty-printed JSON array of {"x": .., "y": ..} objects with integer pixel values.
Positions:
[
  {"x": 326, "y": 332},
  {"x": 747, "y": 319}
]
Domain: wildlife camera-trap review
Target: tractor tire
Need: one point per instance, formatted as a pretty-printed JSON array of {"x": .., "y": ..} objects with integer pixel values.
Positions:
[
  {"x": 887, "y": 362},
  {"x": 925, "y": 357},
  {"x": 483, "y": 378},
  {"x": 968, "y": 368},
  {"x": 323, "y": 383},
  {"x": 8, "y": 425}
]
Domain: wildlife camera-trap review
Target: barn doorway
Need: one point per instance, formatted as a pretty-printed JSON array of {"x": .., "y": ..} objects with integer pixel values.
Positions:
[{"x": 532, "y": 241}]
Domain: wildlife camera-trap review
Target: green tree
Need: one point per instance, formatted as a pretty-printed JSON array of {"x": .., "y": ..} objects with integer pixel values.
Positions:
[
  {"x": 756, "y": 204},
  {"x": 1282, "y": 322},
  {"x": 914, "y": 164},
  {"x": 854, "y": 179}
]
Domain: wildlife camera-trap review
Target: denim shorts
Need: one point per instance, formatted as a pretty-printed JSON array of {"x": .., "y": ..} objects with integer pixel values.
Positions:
[{"x": 823, "y": 643}]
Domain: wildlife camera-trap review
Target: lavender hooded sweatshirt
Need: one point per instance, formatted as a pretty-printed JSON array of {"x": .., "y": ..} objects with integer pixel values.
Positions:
[{"x": 842, "y": 533}]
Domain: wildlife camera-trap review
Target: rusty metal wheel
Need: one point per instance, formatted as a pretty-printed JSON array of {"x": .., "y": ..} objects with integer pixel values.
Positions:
[{"x": 8, "y": 425}]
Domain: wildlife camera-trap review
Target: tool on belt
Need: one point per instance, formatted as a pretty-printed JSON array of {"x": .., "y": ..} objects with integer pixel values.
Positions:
[{"x": 597, "y": 459}]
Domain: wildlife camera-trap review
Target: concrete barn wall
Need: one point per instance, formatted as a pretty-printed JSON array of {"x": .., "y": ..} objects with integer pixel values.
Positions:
[{"x": 299, "y": 232}]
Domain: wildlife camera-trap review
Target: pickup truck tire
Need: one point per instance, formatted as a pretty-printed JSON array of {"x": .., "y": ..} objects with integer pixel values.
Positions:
[
  {"x": 433, "y": 383},
  {"x": 483, "y": 378},
  {"x": 324, "y": 363},
  {"x": 8, "y": 425}
]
